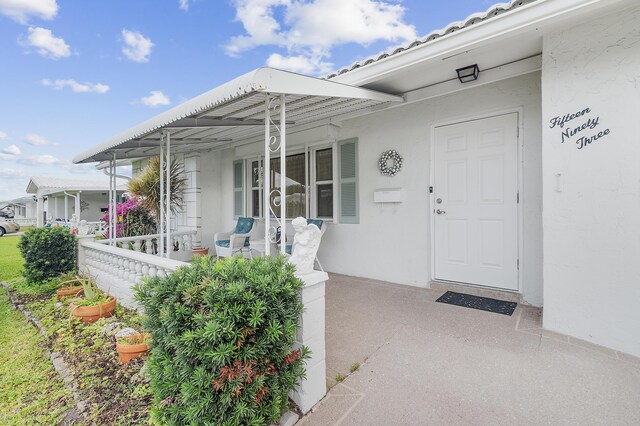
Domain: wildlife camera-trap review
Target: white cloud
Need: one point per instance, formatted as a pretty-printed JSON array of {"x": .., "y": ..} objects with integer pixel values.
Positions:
[
  {"x": 136, "y": 46},
  {"x": 12, "y": 150},
  {"x": 46, "y": 44},
  {"x": 37, "y": 140},
  {"x": 299, "y": 63},
  {"x": 22, "y": 10},
  {"x": 310, "y": 29},
  {"x": 40, "y": 160},
  {"x": 3, "y": 136},
  {"x": 75, "y": 86},
  {"x": 184, "y": 4},
  {"x": 155, "y": 99},
  {"x": 6, "y": 173}
]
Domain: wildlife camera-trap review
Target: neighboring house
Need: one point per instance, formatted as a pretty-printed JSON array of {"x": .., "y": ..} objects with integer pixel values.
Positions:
[
  {"x": 525, "y": 179},
  {"x": 59, "y": 199},
  {"x": 21, "y": 210}
]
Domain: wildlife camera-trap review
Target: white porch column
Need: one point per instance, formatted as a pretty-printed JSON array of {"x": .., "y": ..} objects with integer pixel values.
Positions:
[
  {"x": 55, "y": 207},
  {"x": 168, "y": 195},
  {"x": 283, "y": 177},
  {"x": 40, "y": 212},
  {"x": 266, "y": 210},
  {"x": 66, "y": 208},
  {"x": 311, "y": 334},
  {"x": 192, "y": 196},
  {"x": 161, "y": 204},
  {"x": 77, "y": 205}
]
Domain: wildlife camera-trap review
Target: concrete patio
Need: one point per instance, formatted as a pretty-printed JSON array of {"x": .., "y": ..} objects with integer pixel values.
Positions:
[{"x": 430, "y": 363}]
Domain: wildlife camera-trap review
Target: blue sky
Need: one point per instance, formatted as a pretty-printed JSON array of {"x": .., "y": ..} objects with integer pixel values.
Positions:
[{"x": 75, "y": 73}]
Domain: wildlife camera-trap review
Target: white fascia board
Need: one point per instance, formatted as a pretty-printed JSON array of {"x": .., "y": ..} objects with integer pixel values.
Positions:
[
  {"x": 482, "y": 33},
  {"x": 289, "y": 83}
]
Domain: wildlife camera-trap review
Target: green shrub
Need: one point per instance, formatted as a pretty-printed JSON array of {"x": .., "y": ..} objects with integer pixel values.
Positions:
[
  {"x": 47, "y": 252},
  {"x": 222, "y": 341}
]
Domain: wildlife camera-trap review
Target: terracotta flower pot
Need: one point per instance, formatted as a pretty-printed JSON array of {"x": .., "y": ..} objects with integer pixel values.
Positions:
[
  {"x": 200, "y": 251},
  {"x": 127, "y": 352},
  {"x": 94, "y": 313},
  {"x": 69, "y": 291}
]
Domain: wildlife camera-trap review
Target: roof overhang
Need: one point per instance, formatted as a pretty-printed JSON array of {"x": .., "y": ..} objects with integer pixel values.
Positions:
[
  {"x": 42, "y": 185},
  {"x": 235, "y": 111},
  {"x": 490, "y": 42}
]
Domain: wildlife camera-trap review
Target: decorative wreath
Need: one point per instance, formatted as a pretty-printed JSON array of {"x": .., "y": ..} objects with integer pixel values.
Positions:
[{"x": 394, "y": 168}]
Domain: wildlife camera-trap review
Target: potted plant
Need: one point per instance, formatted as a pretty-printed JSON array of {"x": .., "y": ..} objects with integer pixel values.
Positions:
[
  {"x": 134, "y": 346},
  {"x": 70, "y": 288},
  {"x": 93, "y": 305},
  {"x": 200, "y": 251}
]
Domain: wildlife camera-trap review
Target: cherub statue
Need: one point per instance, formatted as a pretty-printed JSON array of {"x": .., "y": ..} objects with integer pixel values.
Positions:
[
  {"x": 83, "y": 228},
  {"x": 305, "y": 245}
]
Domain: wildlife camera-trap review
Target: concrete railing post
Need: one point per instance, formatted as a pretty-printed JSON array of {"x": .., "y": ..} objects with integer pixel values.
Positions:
[{"x": 311, "y": 334}]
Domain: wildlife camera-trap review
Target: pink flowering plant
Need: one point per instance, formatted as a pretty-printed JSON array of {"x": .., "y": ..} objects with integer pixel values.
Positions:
[{"x": 132, "y": 220}]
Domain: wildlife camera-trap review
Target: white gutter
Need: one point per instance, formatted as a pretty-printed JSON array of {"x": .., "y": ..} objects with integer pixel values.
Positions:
[{"x": 525, "y": 18}]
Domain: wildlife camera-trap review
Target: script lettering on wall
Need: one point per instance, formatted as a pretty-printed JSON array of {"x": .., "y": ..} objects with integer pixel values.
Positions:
[{"x": 582, "y": 125}]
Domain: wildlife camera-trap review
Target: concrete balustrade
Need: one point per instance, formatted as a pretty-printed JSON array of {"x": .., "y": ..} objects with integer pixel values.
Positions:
[
  {"x": 183, "y": 240},
  {"x": 116, "y": 269}
]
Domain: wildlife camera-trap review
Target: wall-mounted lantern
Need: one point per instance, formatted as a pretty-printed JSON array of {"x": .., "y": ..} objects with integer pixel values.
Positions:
[{"x": 468, "y": 74}]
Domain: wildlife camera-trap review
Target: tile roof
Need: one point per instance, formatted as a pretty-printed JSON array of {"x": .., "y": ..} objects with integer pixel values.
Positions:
[{"x": 492, "y": 12}]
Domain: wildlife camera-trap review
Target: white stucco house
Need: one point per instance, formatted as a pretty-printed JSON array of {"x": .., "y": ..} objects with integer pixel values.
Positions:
[
  {"x": 21, "y": 210},
  {"x": 523, "y": 176},
  {"x": 59, "y": 199}
]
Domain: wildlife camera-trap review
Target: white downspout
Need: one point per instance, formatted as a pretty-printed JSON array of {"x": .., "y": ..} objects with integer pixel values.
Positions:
[{"x": 76, "y": 203}]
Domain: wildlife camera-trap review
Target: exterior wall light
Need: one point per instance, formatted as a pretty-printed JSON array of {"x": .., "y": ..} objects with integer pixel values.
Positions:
[{"x": 468, "y": 74}]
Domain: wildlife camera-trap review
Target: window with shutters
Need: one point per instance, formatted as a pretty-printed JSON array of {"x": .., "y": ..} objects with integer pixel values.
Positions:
[
  {"x": 238, "y": 188},
  {"x": 315, "y": 177},
  {"x": 348, "y": 210}
]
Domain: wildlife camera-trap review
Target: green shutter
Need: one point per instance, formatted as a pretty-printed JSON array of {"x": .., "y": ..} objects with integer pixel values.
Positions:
[
  {"x": 238, "y": 188},
  {"x": 348, "y": 180}
]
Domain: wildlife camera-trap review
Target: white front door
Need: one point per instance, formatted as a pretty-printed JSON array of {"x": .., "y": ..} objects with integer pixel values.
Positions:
[{"x": 475, "y": 194}]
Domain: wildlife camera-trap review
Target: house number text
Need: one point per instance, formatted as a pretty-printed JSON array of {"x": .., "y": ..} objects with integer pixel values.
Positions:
[{"x": 580, "y": 124}]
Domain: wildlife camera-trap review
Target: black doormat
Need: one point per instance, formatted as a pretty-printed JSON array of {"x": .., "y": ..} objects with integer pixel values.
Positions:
[{"x": 477, "y": 302}]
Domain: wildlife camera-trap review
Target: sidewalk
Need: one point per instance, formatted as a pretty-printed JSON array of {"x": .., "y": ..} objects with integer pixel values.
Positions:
[{"x": 430, "y": 363}]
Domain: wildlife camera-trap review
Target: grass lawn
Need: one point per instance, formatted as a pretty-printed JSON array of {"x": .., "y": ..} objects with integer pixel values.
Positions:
[
  {"x": 10, "y": 259},
  {"x": 31, "y": 392}
]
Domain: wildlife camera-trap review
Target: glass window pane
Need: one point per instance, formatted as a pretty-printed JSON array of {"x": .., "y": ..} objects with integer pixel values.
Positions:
[
  {"x": 296, "y": 190},
  {"x": 255, "y": 174},
  {"x": 324, "y": 165},
  {"x": 255, "y": 204},
  {"x": 325, "y": 200}
]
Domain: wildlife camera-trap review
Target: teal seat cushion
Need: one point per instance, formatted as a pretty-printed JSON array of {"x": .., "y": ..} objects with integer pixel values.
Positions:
[
  {"x": 225, "y": 243},
  {"x": 316, "y": 222},
  {"x": 244, "y": 225}
]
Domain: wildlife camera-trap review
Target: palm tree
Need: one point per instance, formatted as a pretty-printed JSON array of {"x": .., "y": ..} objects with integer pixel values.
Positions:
[{"x": 147, "y": 186}]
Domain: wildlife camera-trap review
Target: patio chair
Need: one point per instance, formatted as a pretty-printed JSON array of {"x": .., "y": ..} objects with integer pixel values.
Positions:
[
  {"x": 321, "y": 226},
  {"x": 235, "y": 241}
]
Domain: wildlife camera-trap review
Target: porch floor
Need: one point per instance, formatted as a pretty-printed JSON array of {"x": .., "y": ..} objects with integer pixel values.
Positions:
[{"x": 431, "y": 363}]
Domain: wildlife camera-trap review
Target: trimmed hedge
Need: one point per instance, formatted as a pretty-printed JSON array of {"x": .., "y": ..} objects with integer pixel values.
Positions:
[
  {"x": 47, "y": 252},
  {"x": 223, "y": 332}
]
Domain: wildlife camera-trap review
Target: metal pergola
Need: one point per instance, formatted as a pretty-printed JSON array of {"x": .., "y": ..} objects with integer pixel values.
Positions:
[{"x": 262, "y": 103}]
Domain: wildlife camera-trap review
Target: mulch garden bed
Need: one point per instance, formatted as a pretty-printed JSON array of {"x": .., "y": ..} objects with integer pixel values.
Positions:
[{"x": 106, "y": 392}]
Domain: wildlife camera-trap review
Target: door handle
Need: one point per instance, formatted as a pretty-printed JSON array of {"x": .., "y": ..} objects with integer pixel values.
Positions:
[{"x": 440, "y": 211}]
